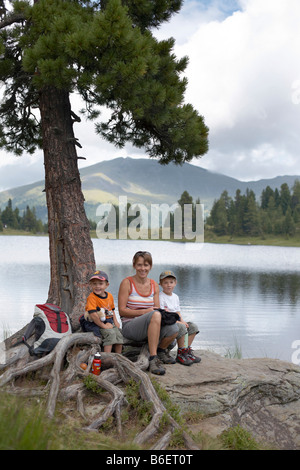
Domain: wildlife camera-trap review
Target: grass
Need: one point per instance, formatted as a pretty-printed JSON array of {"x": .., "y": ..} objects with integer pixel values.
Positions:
[
  {"x": 235, "y": 352},
  {"x": 270, "y": 240},
  {"x": 24, "y": 426},
  {"x": 12, "y": 231},
  {"x": 237, "y": 438}
]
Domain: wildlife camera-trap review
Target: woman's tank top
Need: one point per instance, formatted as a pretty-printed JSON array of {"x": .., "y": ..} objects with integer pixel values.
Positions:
[{"x": 136, "y": 300}]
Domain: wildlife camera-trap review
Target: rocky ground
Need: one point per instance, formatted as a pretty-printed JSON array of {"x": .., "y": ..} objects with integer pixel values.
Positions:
[{"x": 261, "y": 395}]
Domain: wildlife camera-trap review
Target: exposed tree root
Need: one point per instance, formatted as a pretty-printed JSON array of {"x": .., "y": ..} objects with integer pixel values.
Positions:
[{"x": 64, "y": 384}]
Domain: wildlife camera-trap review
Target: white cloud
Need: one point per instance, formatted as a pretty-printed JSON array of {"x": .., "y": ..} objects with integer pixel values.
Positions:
[
  {"x": 18, "y": 171},
  {"x": 244, "y": 76}
]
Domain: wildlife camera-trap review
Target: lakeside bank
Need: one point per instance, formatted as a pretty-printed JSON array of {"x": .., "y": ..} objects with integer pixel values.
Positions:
[{"x": 208, "y": 238}]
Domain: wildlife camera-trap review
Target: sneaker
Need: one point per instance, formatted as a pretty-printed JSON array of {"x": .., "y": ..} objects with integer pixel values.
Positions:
[
  {"x": 165, "y": 357},
  {"x": 155, "y": 367},
  {"x": 192, "y": 356},
  {"x": 182, "y": 357}
]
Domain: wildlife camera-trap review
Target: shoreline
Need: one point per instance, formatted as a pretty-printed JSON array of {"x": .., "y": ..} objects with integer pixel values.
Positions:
[{"x": 224, "y": 240}]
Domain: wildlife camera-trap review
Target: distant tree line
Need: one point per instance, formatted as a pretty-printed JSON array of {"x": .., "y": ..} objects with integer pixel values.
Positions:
[
  {"x": 277, "y": 213},
  {"x": 27, "y": 220}
]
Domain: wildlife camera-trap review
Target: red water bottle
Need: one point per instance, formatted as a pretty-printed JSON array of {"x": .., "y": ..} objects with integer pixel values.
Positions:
[{"x": 96, "y": 365}]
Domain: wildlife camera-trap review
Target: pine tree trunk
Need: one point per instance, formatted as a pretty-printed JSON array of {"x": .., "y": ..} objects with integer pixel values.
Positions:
[{"x": 71, "y": 248}]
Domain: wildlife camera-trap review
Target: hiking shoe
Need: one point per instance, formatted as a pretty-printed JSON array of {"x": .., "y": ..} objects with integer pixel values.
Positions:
[
  {"x": 155, "y": 367},
  {"x": 182, "y": 357},
  {"x": 165, "y": 357},
  {"x": 192, "y": 356}
]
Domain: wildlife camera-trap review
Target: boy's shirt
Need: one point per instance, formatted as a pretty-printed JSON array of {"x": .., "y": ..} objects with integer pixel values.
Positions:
[
  {"x": 170, "y": 302},
  {"x": 94, "y": 302}
]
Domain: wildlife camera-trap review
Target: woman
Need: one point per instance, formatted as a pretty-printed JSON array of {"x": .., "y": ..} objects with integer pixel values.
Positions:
[{"x": 138, "y": 297}]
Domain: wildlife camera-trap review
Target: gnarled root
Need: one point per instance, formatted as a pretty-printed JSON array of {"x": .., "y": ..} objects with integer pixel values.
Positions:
[
  {"x": 117, "y": 369},
  {"x": 128, "y": 370}
]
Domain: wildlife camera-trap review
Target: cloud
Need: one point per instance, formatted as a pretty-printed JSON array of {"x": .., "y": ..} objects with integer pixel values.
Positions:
[
  {"x": 18, "y": 171},
  {"x": 193, "y": 15},
  {"x": 244, "y": 77}
]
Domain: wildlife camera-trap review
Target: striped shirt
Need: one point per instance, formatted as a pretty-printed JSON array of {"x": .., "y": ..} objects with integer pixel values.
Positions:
[{"x": 136, "y": 300}]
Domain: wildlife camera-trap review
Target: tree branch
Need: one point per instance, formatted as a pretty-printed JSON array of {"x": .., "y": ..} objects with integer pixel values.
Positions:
[{"x": 10, "y": 19}]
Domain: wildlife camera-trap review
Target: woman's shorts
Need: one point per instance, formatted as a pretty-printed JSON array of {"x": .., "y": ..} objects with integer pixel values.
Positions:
[
  {"x": 111, "y": 336},
  {"x": 137, "y": 328},
  {"x": 182, "y": 329}
]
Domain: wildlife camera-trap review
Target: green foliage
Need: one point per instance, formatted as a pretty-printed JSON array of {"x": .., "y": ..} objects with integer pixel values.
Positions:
[
  {"x": 147, "y": 14},
  {"x": 105, "y": 51},
  {"x": 141, "y": 407},
  {"x": 11, "y": 218},
  {"x": 237, "y": 438},
  {"x": 91, "y": 384},
  {"x": 278, "y": 213}
]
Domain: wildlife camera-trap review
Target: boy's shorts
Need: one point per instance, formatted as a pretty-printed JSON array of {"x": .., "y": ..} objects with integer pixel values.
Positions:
[
  {"x": 111, "y": 336},
  {"x": 137, "y": 328},
  {"x": 182, "y": 329}
]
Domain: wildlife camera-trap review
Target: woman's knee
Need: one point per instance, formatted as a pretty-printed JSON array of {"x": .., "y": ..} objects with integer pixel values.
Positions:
[{"x": 156, "y": 317}]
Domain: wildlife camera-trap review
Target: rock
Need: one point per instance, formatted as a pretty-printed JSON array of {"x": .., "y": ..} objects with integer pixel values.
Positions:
[{"x": 260, "y": 395}]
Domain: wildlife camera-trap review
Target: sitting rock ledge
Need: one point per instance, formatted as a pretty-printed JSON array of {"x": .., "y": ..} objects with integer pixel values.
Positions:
[{"x": 261, "y": 395}]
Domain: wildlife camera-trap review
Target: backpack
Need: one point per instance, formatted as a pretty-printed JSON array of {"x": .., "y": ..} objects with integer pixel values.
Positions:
[{"x": 49, "y": 324}]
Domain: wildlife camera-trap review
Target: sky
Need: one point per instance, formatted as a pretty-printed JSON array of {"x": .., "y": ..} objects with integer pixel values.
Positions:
[{"x": 243, "y": 77}]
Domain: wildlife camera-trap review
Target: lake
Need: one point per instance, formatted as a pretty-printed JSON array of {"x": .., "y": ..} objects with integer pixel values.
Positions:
[{"x": 244, "y": 295}]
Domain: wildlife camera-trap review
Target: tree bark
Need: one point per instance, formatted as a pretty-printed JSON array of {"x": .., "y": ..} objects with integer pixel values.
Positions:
[{"x": 70, "y": 245}]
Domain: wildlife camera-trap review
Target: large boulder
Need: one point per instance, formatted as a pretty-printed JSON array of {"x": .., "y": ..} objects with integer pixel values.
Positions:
[{"x": 261, "y": 395}]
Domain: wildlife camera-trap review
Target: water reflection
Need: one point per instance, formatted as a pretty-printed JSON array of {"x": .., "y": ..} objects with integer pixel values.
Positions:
[
  {"x": 260, "y": 311},
  {"x": 286, "y": 288},
  {"x": 230, "y": 295}
]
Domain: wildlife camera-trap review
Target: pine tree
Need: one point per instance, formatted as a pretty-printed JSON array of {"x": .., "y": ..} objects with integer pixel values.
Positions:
[
  {"x": 239, "y": 204},
  {"x": 285, "y": 197},
  {"x": 104, "y": 51},
  {"x": 29, "y": 222},
  {"x": 186, "y": 204},
  {"x": 265, "y": 197},
  {"x": 251, "y": 221},
  {"x": 288, "y": 226},
  {"x": 269, "y": 215},
  {"x": 9, "y": 216},
  {"x": 295, "y": 201},
  {"x": 218, "y": 216}
]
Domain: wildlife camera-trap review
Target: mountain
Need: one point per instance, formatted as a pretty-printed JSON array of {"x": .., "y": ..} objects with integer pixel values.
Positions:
[{"x": 143, "y": 181}]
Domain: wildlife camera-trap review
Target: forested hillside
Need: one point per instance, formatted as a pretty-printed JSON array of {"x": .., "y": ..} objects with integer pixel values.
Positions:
[
  {"x": 277, "y": 212},
  {"x": 21, "y": 220},
  {"x": 142, "y": 181}
]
